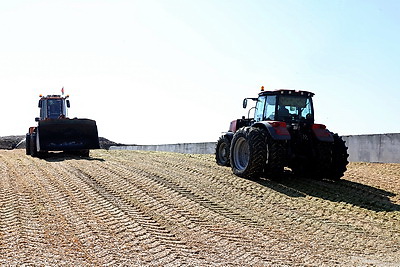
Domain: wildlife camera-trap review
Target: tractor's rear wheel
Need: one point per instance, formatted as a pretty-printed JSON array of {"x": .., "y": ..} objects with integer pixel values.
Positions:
[
  {"x": 323, "y": 161},
  {"x": 32, "y": 145},
  {"x": 317, "y": 164},
  {"x": 329, "y": 161},
  {"x": 28, "y": 144},
  {"x": 276, "y": 157},
  {"x": 222, "y": 151},
  {"x": 339, "y": 158},
  {"x": 248, "y": 152}
]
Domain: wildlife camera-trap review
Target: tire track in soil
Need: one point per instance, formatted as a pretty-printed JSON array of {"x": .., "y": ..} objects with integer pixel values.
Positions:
[
  {"x": 160, "y": 246},
  {"x": 338, "y": 221},
  {"x": 185, "y": 192},
  {"x": 151, "y": 208},
  {"x": 219, "y": 201},
  {"x": 334, "y": 192},
  {"x": 86, "y": 220},
  {"x": 133, "y": 238},
  {"x": 161, "y": 209},
  {"x": 19, "y": 217},
  {"x": 60, "y": 245}
]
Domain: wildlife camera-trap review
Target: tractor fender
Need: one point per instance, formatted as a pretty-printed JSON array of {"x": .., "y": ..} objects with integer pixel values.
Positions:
[
  {"x": 31, "y": 130},
  {"x": 239, "y": 123},
  {"x": 321, "y": 133},
  {"x": 229, "y": 135},
  {"x": 276, "y": 129},
  {"x": 233, "y": 126}
]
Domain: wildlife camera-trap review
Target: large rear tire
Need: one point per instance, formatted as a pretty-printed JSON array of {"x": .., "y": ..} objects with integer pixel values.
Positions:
[
  {"x": 248, "y": 152},
  {"x": 32, "y": 145},
  {"x": 329, "y": 161},
  {"x": 339, "y": 159},
  {"x": 222, "y": 151},
  {"x": 28, "y": 144},
  {"x": 317, "y": 165},
  {"x": 276, "y": 157}
]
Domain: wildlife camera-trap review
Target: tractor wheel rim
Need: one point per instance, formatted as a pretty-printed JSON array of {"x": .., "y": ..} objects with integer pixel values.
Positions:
[{"x": 242, "y": 154}]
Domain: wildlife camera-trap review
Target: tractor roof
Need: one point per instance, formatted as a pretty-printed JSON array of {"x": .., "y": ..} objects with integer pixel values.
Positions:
[
  {"x": 53, "y": 97},
  {"x": 286, "y": 92}
]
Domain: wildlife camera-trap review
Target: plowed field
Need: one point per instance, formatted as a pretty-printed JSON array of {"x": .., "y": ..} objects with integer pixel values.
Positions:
[{"x": 166, "y": 209}]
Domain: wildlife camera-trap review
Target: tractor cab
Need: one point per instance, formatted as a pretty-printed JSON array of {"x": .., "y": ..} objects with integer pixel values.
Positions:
[
  {"x": 289, "y": 106},
  {"x": 53, "y": 107}
]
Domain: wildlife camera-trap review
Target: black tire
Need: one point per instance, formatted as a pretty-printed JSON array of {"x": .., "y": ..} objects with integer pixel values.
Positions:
[
  {"x": 323, "y": 161},
  {"x": 32, "y": 145},
  {"x": 28, "y": 144},
  {"x": 82, "y": 153},
  {"x": 79, "y": 153},
  {"x": 248, "y": 152},
  {"x": 339, "y": 159},
  {"x": 317, "y": 165},
  {"x": 222, "y": 151},
  {"x": 276, "y": 157},
  {"x": 85, "y": 153}
]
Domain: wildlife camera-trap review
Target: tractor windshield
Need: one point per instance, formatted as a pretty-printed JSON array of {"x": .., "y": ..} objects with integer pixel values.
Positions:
[
  {"x": 54, "y": 108},
  {"x": 294, "y": 108}
]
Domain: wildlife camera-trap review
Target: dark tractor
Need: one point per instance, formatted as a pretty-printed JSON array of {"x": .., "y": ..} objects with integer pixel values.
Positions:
[
  {"x": 56, "y": 132},
  {"x": 282, "y": 134}
]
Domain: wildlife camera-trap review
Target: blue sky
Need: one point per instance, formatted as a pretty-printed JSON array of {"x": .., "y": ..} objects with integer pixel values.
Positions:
[{"x": 169, "y": 71}]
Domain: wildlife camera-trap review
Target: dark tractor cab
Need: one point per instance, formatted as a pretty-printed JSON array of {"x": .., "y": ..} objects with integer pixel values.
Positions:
[{"x": 285, "y": 105}]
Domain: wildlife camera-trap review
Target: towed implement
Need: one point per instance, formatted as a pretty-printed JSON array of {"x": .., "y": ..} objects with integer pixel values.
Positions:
[
  {"x": 56, "y": 132},
  {"x": 282, "y": 134}
]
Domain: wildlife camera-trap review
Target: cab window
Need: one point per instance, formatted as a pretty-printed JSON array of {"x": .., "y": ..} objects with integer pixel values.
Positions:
[
  {"x": 294, "y": 108},
  {"x": 258, "y": 113},
  {"x": 270, "y": 106},
  {"x": 54, "y": 108}
]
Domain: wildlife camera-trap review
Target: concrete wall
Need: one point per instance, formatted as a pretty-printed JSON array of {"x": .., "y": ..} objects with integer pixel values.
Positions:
[
  {"x": 384, "y": 148},
  {"x": 187, "y": 148}
]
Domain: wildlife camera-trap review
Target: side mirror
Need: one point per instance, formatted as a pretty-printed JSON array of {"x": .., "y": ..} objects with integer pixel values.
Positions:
[
  {"x": 68, "y": 104},
  {"x": 40, "y": 104},
  {"x": 37, "y": 119},
  {"x": 245, "y": 103}
]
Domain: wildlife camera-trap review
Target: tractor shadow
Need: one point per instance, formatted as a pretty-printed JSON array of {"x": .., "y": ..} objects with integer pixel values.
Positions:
[
  {"x": 63, "y": 156},
  {"x": 363, "y": 196}
]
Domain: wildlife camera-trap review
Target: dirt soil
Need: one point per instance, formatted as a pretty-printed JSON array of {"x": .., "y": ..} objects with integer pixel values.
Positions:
[{"x": 167, "y": 209}]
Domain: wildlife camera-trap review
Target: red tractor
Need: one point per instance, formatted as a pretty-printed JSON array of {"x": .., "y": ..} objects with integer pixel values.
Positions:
[
  {"x": 56, "y": 132},
  {"x": 282, "y": 134}
]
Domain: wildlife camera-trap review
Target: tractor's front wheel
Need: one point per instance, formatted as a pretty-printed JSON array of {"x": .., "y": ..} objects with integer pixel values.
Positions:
[
  {"x": 222, "y": 150},
  {"x": 33, "y": 144},
  {"x": 248, "y": 152}
]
